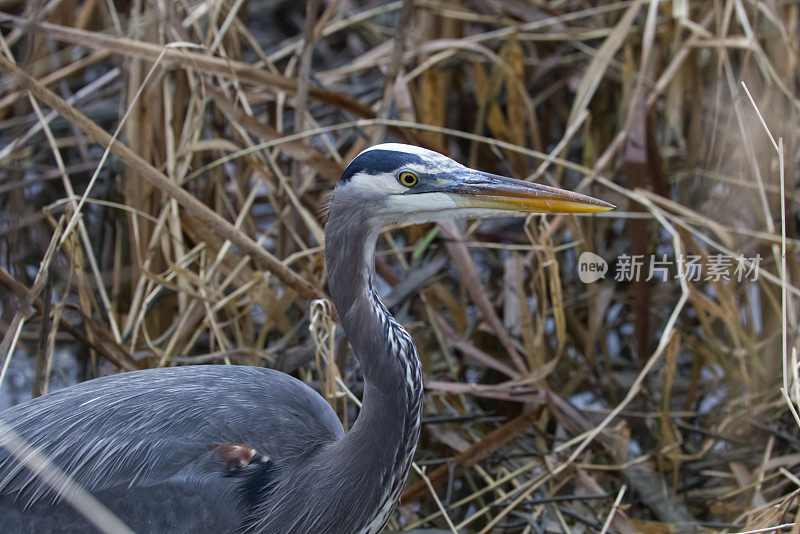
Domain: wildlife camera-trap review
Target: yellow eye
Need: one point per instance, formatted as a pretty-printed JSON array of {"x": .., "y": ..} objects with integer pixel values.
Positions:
[{"x": 408, "y": 178}]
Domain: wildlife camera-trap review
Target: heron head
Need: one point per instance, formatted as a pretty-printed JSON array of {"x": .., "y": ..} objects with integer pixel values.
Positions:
[{"x": 405, "y": 183}]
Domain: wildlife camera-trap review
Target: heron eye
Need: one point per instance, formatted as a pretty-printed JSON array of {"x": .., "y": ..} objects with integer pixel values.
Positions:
[{"x": 408, "y": 178}]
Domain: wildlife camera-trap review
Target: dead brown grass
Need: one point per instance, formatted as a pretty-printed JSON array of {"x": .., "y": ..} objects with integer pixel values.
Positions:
[{"x": 163, "y": 177}]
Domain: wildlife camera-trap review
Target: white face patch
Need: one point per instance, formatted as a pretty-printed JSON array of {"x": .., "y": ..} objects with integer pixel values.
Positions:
[
  {"x": 400, "y": 206},
  {"x": 419, "y": 208},
  {"x": 381, "y": 184}
]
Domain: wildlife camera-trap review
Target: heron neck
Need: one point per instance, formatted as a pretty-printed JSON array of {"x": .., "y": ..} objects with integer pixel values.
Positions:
[
  {"x": 387, "y": 429},
  {"x": 350, "y": 237}
]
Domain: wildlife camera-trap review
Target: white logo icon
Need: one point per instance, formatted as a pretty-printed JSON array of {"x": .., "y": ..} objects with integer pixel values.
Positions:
[{"x": 591, "y": 267}]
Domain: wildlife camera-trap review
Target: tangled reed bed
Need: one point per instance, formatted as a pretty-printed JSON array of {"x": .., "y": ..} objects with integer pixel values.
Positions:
[{"x": 164, "y": 168}]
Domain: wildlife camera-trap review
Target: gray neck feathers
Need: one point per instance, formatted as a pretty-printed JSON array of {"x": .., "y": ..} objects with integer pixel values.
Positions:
[
  {"x": 386, "y": 432},
  {"x": 350, "y": 235}
]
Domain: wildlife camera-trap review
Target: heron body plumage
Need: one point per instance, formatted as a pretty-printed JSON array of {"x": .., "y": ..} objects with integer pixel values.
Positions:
[
  {"x": 229, "y": 448},
  {"x": 134, "y": 439}
]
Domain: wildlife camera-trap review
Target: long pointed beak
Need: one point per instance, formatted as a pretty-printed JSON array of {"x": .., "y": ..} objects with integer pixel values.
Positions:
[{"x": 490, "y": 191}]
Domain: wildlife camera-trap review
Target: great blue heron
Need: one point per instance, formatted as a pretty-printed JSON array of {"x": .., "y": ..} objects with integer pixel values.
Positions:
[{"x": 223, "y": 448}]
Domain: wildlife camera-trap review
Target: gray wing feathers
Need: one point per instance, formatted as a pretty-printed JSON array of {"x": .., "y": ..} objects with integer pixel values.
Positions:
[{"x": 156, "y": 426}]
